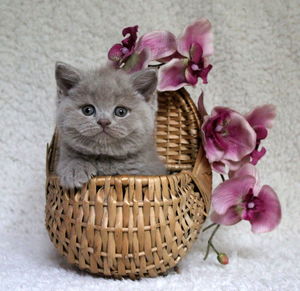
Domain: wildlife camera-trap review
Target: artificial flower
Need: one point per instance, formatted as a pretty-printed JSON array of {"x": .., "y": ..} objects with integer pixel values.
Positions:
[
  {"x": 134, "y": 54},
  {"x": 161, "y": 44},
  {"x": 194, "y": 46},
  {"x": 120, "y": 52},
  {"x": 217, "y": 129},
  {"x": 241, "y": 198},
  {"x": 261, "y": 118},
  {"x": 228, "y": 139}
]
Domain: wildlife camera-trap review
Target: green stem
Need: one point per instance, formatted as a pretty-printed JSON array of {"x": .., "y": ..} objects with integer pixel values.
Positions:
[
  {"x": 207, "y": 252},
  {"x": 208, "y": 227},
  {"x": 213, "y": 247},
  {"x": 209, "y": 244}
]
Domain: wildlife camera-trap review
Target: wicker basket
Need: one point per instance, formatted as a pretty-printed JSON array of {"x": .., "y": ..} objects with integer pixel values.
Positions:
[{"x": 135, "y": 226}]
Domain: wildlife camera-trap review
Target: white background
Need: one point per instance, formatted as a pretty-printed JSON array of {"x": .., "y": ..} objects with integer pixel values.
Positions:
[{"x": 256, "y": 61}]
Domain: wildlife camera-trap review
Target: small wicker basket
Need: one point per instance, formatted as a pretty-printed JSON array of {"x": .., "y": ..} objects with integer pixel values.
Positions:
[{"x": 135, "y": 226}]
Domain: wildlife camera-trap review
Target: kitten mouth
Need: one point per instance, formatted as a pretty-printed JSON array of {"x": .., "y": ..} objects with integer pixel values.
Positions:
[{"x": 104, "y": 132}]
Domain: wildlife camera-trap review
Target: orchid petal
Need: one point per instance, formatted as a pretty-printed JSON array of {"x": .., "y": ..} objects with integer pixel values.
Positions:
[
  {"x": 129, "y": 41},
  {"x": 248, "y": 170},
  {"x": 237, "y": 141},
  {"x": 212, "y": 152},
  {"x": 204, "y": 72},
  {"x": 267, "y": 219},
  {"x": 241, "y": 138},
  {"x": 115, "y": 54},
  {"x": 234, "y": 166},
  {"x": 161, "y": 44},
  {"x": 199, "y": 32},
  {"x": 205, "y": 62},
  {"x": 230, "y": 166},
  {"x": 262, "y": 116},
  {"x": 230, "y": 217},
  {"x": 190, "y": 76},
  {"x": 257, "y": 155},
  {"x": 261, "y": 132},
  {"x": 137, "y": 61},
  {"x": 196, "y": 53},
  {"x": 132, "y": 30},
  {"x": 219, "y": 167},
  {"x": 171, "y": 75},
  {"x": 229, "y": 193},
  {"x": 175, "y": 55}
]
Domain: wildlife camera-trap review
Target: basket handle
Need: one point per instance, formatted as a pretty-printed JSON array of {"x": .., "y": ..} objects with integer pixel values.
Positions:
[
  {"x": 201, "y": 172},
  {"x": 201, "y": 165},
  {"x": 202, "y": 176}
]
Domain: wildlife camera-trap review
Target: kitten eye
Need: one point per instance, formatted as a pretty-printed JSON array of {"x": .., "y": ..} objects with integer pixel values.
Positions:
[
  {"x": 121, "y": 111},
  {"x": 88, "y": 110}
]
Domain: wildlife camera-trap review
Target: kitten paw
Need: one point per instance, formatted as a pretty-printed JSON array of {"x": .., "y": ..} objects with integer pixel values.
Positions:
[{"x": 75, "y": 174}]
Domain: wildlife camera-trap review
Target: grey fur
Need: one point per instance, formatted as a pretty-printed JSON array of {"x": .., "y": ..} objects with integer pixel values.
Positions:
[{"x": 128, "y": 147}]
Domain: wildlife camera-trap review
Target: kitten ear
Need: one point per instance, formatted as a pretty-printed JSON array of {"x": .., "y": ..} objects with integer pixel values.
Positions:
[
  {"x": 145, "y": 82},
  {"x": 66, "y": 77}
]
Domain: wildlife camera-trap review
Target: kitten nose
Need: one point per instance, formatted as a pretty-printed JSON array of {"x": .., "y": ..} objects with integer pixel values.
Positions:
[{"x": 104, "y": 122}]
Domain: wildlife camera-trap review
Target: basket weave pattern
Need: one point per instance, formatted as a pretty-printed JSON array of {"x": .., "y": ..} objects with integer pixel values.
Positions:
[{"x": 136, "y": 226}]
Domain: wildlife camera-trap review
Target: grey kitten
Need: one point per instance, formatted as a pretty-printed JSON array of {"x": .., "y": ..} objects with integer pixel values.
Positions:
[{"x": 106, "y": 121}]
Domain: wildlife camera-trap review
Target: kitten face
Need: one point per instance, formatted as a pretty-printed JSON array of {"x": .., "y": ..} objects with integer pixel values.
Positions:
[{"x": 106, "y": 111}]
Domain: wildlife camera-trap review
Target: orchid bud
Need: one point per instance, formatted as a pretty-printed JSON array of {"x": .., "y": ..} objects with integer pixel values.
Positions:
[{"x": 223, "y": 259}]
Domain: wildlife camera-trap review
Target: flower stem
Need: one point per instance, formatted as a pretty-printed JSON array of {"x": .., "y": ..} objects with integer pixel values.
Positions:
[
  {"x": 213, "y": 247},
  {"x": 208, "y": 227},
  {"x": 155, "y": 66},
  {"x": 209, "y": 243}
]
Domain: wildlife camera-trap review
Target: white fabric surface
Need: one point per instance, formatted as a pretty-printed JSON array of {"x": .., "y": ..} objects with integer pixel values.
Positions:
[{"x": 257, "y": 49}]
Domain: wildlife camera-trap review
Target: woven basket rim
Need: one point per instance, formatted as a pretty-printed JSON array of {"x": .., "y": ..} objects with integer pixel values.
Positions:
[{"x": 127, "y": 178}]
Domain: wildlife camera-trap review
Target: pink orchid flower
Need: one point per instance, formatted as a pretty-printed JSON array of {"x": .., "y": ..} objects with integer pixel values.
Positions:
[
  {"x": 161, "y": 44},
  {"x": 228, "y": 139},
  {"x": 150, "y": 47},
  {"x": 120, "y": 52},
  {"x": 260, "y": 119},
  {"x": 194, "y": 47},
  {"x": 241, "y": 198},
  {"x": 227, "y": 149},
  {"x": 135, "y": 54}
]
